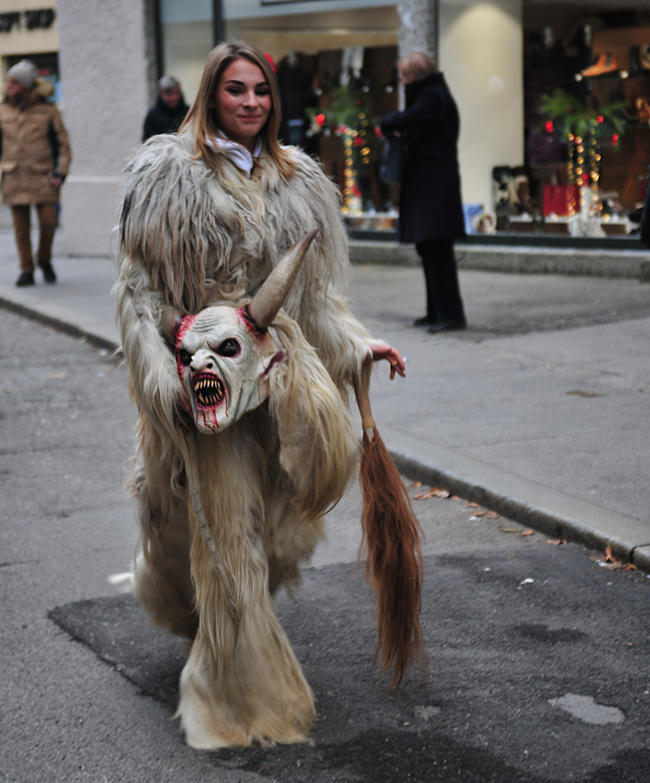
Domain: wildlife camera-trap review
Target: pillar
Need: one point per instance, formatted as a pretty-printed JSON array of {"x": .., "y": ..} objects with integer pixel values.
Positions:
[{"x": 105, "y": 64}]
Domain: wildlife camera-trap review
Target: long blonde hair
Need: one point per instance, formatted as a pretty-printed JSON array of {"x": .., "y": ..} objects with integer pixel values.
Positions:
[{"x": 202, "y": 114}]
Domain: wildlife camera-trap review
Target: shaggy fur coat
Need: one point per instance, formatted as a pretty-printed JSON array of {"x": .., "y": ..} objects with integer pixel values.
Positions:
[{"x": 192, "y": 236}]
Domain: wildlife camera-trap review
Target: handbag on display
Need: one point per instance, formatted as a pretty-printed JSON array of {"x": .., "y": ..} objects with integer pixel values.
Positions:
[{"x": 391, "y": 165}]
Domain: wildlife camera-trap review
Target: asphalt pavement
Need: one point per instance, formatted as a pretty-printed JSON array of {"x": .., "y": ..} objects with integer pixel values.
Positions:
[
  {"x": 537, "y": 649},
  {"x": 540, "y": 410}
]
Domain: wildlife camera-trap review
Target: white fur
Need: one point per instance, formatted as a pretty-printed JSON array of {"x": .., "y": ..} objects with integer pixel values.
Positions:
[{"x": 191, "y": 238}]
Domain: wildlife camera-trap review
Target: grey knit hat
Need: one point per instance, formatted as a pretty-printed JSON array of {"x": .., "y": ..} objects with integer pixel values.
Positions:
[
  {"x": 166, "y": 83},
  {"x": 24, "y": 72}
]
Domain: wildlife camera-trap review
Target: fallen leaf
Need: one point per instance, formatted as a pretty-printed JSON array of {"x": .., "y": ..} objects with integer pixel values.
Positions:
[
  {"x": 492, "y": 515},
  {"x": 613, "y": 562},
  {"x": 471, "y": 504},
  {"x": 510, "y": 529},
  {"x": 441, "y": 493},
  {"x": 528, "y": 533},
  {"x": 556, "y": 541},
  {"x": 416, "y": 484},
  {"x": 434, "y": 492},
  {"x": 480, "y": 513},
  {"x": 581, "y": 393}
]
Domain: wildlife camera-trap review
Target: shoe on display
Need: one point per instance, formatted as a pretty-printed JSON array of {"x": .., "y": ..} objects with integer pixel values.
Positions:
[
  {"x": 642, "y": 110},
  {"x": 606, "y": 63},
  {"x": 48, "y": 273},
  {"x": 644, "y": 56},
  {"x": 25, "y": 278}
]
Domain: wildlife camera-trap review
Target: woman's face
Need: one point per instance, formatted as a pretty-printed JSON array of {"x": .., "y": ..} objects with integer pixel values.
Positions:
[{"x": 243, "y": 102}]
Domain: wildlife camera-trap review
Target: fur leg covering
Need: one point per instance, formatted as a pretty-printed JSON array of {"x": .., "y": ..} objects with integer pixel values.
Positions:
[
  {"x": 241, "y": 683},
  {"x": 250, "y": 689},
  {"x": 162, "y": 565}
]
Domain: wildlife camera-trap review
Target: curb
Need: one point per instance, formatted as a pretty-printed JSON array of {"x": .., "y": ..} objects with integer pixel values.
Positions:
[
  {"x": 62, "y": 324},
  {"x": 515, "y": 259},
  {"x": 544, "y": 521}
]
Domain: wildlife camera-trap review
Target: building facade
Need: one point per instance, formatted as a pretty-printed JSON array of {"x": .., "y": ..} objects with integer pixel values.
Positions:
[{"x": 553, "y": 98}]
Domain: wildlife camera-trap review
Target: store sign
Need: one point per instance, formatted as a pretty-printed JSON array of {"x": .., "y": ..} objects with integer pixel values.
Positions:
[
  {"x": 35, "y": 19},
  {"x": 286, "y": 2}
]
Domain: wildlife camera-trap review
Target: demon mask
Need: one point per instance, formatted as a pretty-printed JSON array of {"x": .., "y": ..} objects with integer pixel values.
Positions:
[{"x": 225, "y": 354}]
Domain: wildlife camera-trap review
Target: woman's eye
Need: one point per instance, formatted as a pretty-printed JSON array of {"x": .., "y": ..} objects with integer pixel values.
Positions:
[
  {"x": 262, "y": 91},
  {"x": 185, "y": 357},
  {"x": 229, "y": 347}
]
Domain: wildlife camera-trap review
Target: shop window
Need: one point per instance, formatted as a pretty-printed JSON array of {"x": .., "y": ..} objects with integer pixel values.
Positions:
[
  {"x": 332, "y": 102},
  {"x": 587, "y": 126}
]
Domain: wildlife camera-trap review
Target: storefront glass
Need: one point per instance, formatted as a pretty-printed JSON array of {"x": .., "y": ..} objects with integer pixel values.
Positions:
[
  {"x": 581, "y": 146},
  {"x": 336, "y": 69},
  {"x": 587, "y": 124}
]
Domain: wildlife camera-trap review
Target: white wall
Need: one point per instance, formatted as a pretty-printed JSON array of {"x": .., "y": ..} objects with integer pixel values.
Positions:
[
  {"x": 103, "y": 66},
  {"x": 481, "y": 55}
]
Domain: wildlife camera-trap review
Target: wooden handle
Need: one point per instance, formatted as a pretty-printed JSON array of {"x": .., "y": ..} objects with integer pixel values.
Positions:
[{"x": 361, "y": 391}]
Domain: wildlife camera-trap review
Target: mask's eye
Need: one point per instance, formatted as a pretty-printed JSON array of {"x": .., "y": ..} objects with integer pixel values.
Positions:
[
  {"x": 229, "y": 347},
  {"x": 185, "y": 357}
]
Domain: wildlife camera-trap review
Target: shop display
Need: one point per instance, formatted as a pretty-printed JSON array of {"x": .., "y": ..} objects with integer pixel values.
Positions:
[
  {"x": 353, "y": 88},
  {"x": 587, "y": 113}
]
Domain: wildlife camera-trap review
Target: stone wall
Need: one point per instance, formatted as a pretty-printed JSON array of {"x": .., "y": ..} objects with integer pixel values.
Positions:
[
  {"x": 417, "y": 31},
  {"x": 105, "y": 77}
]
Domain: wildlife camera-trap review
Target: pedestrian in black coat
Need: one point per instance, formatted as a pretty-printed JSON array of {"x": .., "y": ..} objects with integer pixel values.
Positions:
[
  {"x": 169, "y": 110},
  {"x": 431, "y": 211}
]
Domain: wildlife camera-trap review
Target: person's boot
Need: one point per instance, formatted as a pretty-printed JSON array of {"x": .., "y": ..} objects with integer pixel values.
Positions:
[
  {"x": 425, "y": 320},
  {"x": 25, "y": 278},
  {"x": 48, "y": 272},
  {"x": 447, "y": 326}
]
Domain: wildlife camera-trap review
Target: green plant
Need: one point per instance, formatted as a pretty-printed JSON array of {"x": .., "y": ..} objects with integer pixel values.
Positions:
[{"x": 570, "y": 115}]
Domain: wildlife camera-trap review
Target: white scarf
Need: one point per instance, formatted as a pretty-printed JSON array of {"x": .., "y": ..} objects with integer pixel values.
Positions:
[{"x": 235, "y": 152}]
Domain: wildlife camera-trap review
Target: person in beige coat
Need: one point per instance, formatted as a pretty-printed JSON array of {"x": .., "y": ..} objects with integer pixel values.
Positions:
[{"x": 34, "y": 161}]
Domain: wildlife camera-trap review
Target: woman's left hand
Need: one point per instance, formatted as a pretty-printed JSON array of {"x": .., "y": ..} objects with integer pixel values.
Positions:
[{"x": 382, "y": 350}]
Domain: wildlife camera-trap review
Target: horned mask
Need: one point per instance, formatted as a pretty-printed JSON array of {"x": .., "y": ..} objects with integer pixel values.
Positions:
[{"x": 225, "y": 355}]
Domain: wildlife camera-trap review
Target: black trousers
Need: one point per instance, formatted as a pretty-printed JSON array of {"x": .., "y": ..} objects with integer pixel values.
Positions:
[{"x": 444, "y": 302}]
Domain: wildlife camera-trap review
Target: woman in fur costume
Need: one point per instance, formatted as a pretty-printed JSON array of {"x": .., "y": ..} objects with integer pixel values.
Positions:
[{"x": 226, "y": 520}]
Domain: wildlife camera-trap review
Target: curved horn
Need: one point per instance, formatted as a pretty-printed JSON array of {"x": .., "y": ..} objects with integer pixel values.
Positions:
[{"x": 268, "y": 300}]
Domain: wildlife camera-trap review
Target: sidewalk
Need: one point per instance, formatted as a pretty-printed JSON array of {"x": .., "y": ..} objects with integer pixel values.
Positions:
[{"x": 541, "y": 410}]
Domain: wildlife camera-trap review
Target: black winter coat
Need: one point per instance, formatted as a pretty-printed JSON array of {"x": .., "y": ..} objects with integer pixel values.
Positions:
[
  {"x": 430, "y": 200},
  {"x": 161, "y": 119}
]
